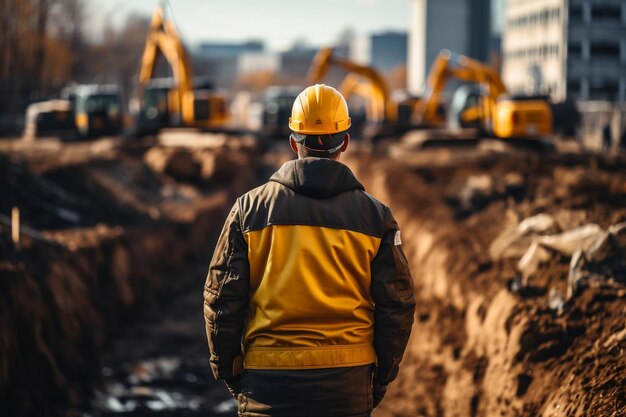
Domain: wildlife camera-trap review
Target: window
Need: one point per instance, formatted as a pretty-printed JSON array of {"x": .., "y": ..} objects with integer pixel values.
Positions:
[
  {"x": 574, "y": 49},
  {"x": 576, "y": 13},
  {"x": 604, "y": 50},
  {"x": 573, "y": 85},
  {"x": 603, "y": 89},
  {"x": 606, "y": 12}
]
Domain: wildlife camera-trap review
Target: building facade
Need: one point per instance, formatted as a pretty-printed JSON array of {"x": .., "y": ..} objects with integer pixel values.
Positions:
[
  {"x": 220, "y": 61},
  {"x": 463, "y": 26},
  {"x": 568, "y": 49},
  {"x": 388, "y": 50}
]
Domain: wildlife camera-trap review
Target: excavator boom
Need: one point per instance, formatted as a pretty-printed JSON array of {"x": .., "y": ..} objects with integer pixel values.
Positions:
[
  {"x": 380, "y": 108},
  {"x": 184, "y": 104}
]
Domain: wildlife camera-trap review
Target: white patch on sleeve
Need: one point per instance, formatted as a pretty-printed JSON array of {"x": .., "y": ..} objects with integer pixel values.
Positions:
[{"x": 396, "y": 239}]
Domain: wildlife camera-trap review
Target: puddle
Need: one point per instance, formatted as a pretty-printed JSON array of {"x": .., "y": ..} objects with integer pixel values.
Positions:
[{"x": 159, "y": 386}]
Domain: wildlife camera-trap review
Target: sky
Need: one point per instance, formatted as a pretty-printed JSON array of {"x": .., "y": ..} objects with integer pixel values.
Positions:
[{"x": 278, "y": 22}]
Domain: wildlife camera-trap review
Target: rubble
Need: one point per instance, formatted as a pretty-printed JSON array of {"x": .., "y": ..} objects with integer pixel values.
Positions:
[{"x": 594, "y": 253}]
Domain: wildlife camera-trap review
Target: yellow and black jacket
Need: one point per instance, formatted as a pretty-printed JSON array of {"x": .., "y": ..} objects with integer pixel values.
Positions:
[{"x": 308, "y": 273}]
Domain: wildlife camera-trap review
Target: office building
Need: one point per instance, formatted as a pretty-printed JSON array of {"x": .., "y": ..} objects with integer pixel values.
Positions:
[
  {"x": 220, "y": 61},
  {"x": 388, "y": 50},
  {"x": 463, "y": 26},
  {"x": 567, "y": 49}
]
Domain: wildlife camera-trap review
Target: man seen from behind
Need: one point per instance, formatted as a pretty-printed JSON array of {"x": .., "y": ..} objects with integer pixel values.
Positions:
[{"x": 309, "y": 299}]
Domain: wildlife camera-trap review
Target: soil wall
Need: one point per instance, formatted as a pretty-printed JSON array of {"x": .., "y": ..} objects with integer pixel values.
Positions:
[
  {"x": 103, "y": 236},
  {"x": 478, "y": 348}
]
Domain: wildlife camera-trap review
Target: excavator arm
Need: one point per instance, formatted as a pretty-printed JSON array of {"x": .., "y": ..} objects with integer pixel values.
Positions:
[
  {"x": 191, "y": 107},
  {"x": 374, "y": 90},
  {"x": 164, "y": 38}
]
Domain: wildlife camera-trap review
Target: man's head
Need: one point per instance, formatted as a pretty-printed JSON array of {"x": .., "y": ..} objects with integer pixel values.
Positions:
[{"x": 319, "y": 121}]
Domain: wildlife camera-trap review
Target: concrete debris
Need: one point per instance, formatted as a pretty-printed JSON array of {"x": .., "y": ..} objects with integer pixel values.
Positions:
[
  {"x": 514, "y": 242},
  {"x": 537, "y": 241}
]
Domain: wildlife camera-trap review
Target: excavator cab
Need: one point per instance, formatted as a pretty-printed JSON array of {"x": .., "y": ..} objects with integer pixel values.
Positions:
[
  {"x": 155, "y": 112},
  {"x": 97, "y": 110},
  {"x": 277, "y": 102},
  {"x": 464, "y": 107}
]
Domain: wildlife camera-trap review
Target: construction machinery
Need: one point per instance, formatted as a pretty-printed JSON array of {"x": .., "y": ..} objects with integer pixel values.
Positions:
[
  {"x": 84, "y": 111},
  {"x": 180, "y": 101},
  {"x": 96, "y": 109},
  {"x": 276, "y": 110},
  {"x": 490, "y": 110},
  {"x": 489, "y": 107},
  {"x": 362, "y": 80}
]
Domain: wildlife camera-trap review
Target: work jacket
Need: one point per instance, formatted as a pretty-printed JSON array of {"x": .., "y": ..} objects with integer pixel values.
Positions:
[{"x": 308, "y": 273}]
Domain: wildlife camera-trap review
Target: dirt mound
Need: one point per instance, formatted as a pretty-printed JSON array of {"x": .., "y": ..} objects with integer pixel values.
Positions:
[
  {"x": 103, "y": 234},
  {"x": 483, "y": 346}
]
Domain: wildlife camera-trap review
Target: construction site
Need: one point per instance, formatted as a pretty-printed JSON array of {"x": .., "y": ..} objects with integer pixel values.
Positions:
[{"x": 512, "y": 210}]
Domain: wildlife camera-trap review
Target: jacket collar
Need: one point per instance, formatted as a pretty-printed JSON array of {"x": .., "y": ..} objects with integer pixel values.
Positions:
[{"x": 316, "y": 177}]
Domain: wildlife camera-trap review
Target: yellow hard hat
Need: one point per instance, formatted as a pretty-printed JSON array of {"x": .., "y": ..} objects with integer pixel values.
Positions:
[{"x": 319, "y": 110}]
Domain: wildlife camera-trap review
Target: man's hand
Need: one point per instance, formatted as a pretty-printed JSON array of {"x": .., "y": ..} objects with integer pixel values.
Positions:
[
  {"x": 379, "y": 393},
  {"x": 234, "y": 385}
]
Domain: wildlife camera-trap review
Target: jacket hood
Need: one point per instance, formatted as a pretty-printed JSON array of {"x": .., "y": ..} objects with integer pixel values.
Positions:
[{"x": 316, "y": 177}]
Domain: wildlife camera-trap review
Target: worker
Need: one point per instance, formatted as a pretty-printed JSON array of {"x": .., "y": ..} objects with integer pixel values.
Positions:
[{"x": 309, "y": 299}]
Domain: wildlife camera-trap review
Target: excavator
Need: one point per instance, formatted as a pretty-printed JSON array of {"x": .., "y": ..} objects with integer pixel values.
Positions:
[
  {"x": 84, "y": 111},
  {"x": 179, "y": 101},
  {"x": 362, "y": 80},
  {"x": 491, "y": 110}
]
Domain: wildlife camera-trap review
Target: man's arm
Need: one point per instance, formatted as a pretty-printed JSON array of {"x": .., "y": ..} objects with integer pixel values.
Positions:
[
  {"x": 226, "y": 293},
  {"x": 392, "y": 291}
]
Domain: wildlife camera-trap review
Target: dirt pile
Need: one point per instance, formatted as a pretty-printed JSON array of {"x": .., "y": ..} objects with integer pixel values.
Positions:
[
  {"x": 103, "y": 235},
  {"x": 484, "y": 343}
]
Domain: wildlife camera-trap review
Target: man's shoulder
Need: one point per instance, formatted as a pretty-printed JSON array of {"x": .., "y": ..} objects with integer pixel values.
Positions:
[
  {"x": 376, "y": 202},
  {"x": 260, "y": 192}
]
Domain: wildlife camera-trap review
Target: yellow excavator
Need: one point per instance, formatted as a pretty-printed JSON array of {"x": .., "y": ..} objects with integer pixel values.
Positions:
[
  {"x": 492, "y": 110},
  {"x": 176, "y": 101}
]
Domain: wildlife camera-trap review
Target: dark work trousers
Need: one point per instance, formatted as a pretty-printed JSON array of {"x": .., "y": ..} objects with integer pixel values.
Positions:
[{"x": 329, "y": 392}]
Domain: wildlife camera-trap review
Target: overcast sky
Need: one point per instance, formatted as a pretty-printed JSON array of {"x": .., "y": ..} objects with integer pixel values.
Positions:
[{"x": 278, "y": 22}]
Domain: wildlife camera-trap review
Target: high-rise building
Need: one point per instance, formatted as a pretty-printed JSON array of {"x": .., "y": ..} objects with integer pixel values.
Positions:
[
  {"x": 463, "y": 26},
  {"x": 225, "y": 49},
  {"x": 219, "y": 61},
  {"x": 295, "y": 62},
  {"x": 388, "y": 50},
  {"x": 568, "y": 49}
]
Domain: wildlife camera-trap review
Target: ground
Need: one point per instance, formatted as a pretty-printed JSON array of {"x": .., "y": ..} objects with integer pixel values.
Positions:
[{"x": 104, "y": 290}]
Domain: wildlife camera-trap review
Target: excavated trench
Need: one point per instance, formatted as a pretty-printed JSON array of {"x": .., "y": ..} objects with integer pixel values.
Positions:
[
  {"x": 104, "y": 318},
  {"x": 479, "y": 346}
]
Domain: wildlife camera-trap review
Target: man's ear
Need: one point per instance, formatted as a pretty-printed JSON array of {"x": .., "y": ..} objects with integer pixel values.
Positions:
[
  {"x": 293, "y": 144},
  {"x": 346, "y": 142}
]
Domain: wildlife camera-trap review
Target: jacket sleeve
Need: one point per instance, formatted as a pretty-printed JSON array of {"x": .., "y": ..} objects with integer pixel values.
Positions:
[
  {"x": 226, "y": 293},
  {"x": 394, "y": 303}
]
